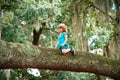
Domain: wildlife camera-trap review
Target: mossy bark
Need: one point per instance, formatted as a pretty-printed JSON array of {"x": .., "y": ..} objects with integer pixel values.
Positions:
[{"x": 15, "y": 55}]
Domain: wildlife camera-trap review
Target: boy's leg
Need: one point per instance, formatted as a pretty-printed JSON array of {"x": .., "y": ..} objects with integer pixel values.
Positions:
[
  {"x": 72, "y": 51},
  {"x": 65, "y": 51}
]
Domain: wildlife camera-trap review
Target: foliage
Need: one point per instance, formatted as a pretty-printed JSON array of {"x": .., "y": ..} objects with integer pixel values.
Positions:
[
  {"x": 7, "y": 5},
  {"x": 99, "y": 30}
]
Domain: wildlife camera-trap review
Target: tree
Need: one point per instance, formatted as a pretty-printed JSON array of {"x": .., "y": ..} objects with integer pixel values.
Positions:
[
  {"x": 78, "y": 20},
  {"x": 114, "y": 40},
  {"x": 15, "y": 55},
  {"x": 43, "y": 17}
]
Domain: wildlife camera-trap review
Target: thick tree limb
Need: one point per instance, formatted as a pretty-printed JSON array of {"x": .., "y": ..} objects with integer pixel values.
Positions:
[
  {"x": 15, "y": 55},
  {"x": 36, "y": 35}
]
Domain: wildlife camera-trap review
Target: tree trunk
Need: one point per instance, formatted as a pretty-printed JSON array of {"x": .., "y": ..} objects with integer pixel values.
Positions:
[
  {"x": 38, "y": 28},
  {"x": 112, "y": 50},
  {"x": 75, "y": 26},
  {"x": 7, "y": 74},
  {"x": 117, "y": 35},
  {"x": 14, "y": 55},
  {"x": 36, "y": 35},
  {"x": 78, "y": 28}
]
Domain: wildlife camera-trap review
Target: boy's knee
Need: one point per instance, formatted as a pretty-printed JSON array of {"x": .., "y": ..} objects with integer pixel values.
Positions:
[{"x": 63, "y": 52}]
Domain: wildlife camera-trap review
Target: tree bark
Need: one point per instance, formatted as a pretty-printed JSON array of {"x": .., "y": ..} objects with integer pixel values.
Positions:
[
  {"x": 15, "y": 55},
  {"x": 112, "y": 50},
  {"x": 79, "y": 27}
]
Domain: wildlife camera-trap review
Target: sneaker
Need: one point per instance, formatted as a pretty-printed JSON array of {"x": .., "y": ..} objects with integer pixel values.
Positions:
[{"x": 72, "y": 51}]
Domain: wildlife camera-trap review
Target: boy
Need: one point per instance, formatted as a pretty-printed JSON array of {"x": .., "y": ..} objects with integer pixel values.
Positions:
[{"x": 62, "y": 40}]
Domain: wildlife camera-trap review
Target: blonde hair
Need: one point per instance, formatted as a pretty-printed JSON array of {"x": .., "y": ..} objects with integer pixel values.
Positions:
[{"x": 63, "y": 26}]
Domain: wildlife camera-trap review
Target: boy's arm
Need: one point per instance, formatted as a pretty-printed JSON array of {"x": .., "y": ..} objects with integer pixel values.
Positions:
[{"x": 66, "y": 39}]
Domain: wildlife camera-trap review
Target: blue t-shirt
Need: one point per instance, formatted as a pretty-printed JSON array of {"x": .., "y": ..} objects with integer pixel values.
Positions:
[{"x": 61, "y": 39}]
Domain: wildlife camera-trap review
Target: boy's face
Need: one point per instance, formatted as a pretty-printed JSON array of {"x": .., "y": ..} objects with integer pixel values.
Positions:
[{"x": 60, "y": 30}]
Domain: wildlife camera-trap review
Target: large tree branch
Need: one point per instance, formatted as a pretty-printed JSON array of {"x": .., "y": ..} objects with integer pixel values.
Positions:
[{"x": 15, "y": 55}]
